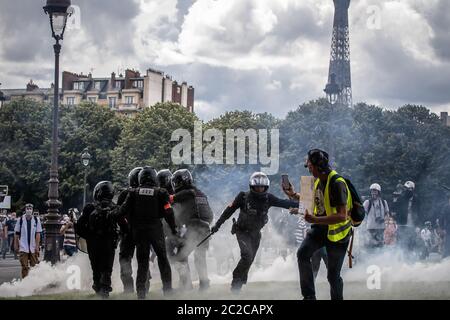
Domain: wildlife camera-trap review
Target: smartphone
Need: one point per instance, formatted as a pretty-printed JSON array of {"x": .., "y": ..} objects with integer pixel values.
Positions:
[{"x": 285, "y": 183}]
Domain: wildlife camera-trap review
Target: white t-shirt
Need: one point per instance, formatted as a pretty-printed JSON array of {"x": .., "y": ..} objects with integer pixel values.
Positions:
[{"x": 28, "y": 245}]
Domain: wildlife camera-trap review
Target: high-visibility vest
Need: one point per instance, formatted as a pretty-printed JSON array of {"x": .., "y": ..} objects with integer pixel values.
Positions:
[{"x": 340, "y": 230}]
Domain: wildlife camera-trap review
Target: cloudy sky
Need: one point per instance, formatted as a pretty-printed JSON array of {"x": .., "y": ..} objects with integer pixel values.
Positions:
[{"x": 261, "y": 55}]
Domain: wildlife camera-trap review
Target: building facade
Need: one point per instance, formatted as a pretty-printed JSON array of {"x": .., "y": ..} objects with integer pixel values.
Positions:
[{"x": 125, "y": 94}]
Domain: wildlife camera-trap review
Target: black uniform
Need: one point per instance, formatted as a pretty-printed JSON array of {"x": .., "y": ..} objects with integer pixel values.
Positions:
[
  {"x": 253, "y": 216},
  {"x": 145, "y": 206},
  {"x": 191, "y": 208},
  {"x": 126, "y": 249},
  {"x": 98, "y": 226}
]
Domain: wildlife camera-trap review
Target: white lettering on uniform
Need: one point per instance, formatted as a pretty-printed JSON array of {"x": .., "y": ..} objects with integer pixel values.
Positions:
[{"x": 146, "y": 192}]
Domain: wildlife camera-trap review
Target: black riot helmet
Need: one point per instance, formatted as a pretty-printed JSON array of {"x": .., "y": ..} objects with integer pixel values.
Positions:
[
  {"x": 104, "y": 191},
  {"x": 147, "y": 177},
  {"x": 181, "y": 179},
  {"x": 164, "y": 178},
  {"x": 259, "y": 179},
  {"x": 133, "y": 177}
]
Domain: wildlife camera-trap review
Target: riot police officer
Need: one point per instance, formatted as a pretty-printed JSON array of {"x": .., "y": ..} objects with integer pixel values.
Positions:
[
  {"x": 254, "y": 206},
  {"x": 98, "y": 225},
  {"x": 164, "y": 178},
  {"x": 127, "y": 244},
  {"x": 146, "y": 205},
  {"x": 192, "y": 211}
]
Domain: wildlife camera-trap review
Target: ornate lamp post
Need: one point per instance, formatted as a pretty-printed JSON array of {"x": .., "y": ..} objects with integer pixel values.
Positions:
[
  {"x": 58, "y": 11},
  {"x": 85, "y": 157}
]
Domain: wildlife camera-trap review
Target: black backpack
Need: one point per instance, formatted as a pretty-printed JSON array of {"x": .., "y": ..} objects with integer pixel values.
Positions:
[
  {"x": 102, "y": 222},
  {"x": 358, "y": 213}
]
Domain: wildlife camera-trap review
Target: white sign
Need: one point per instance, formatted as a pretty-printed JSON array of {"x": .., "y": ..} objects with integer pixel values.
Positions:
[{"x": 6, "y": 203}]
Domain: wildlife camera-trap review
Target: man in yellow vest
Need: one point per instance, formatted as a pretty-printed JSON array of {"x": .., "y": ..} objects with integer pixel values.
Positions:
[{"x": 331, "y": 226}]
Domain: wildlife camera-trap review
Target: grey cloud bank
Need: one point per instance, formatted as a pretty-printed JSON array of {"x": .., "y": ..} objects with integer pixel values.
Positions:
[{"x": 265, "y": 56}]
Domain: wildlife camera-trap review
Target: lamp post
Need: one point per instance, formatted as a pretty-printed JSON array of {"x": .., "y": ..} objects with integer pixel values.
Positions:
[
  {"x": 334, "y": 97},
  {"x": 85, "y": 157},
  {"x": 332, "y": 90},
  {"x": 58, "y": 13}
]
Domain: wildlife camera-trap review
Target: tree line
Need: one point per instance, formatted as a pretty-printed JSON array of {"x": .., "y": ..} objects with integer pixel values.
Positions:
[{"x": 367, "y": 144}]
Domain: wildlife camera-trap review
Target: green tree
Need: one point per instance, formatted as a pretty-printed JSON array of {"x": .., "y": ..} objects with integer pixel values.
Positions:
[{"x": 145, "y": 139}]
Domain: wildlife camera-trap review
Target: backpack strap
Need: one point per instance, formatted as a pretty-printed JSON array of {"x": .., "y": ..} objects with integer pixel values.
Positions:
[{"x": 20, "y": 226}]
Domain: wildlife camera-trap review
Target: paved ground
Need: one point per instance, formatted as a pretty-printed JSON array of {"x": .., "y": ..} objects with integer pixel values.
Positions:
[{"x": 9, "y": 269}]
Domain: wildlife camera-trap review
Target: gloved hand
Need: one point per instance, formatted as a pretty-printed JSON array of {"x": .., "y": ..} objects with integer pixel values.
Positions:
[{"x": 215, "y": 228}]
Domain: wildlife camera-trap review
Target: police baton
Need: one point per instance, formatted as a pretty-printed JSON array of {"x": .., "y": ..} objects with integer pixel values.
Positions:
[{"x": 204, "y": 240}]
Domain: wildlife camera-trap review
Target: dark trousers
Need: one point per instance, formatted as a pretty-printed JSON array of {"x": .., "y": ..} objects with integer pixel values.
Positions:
[
  {"x": 316, "y": 258},
  {"x": 248, "y": 243},
  {"x": 145, "y": 238},
  {"x": 336, "y": 251},
  {"x": 126, "y": 253},
  {"x": 101, "y": 255}
]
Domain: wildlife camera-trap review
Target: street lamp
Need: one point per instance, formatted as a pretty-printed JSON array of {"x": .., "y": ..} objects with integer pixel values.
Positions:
[
  {"x": 85, "y": 157},
  {"x": 332, "y": 90},
  {"x": 58, "y": 11}
]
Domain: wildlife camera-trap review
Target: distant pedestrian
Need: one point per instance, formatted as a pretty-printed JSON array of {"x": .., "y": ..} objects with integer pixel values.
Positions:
[
  {"x": 27, "y": 239},
  {"x": 10, "y": 225},
  {"x": 68, "y": 231}
]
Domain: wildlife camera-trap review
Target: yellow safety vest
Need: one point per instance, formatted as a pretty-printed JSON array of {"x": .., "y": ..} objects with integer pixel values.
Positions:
[{"x": 336, "y": 231}]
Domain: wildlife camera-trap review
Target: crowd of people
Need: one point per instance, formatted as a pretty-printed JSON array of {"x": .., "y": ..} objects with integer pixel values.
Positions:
[{"x": 165, "y": 216}]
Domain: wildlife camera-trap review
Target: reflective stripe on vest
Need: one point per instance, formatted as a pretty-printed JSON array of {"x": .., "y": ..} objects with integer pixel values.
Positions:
[{"x": 340, "y": 230}]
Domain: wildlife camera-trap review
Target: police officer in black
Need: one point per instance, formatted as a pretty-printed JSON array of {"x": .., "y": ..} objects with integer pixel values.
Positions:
[
  {"x": 254, "y": 206},
  {"x": 191, "y": 210},
  {"x": 127, "y": 244},
  {"x": 145, "y": 206},
  {"x": 164, "y": 178},
  {"x": 98, "y": 225}
]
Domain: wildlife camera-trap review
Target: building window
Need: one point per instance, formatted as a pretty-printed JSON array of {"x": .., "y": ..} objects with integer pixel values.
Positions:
[
  {"x": 112, "y": 102},
  {"x": 129, "y": 100},
  {"x": 78, "y": 86},
  {"x": 118, "y": 85},
  {"x": 70, "y": 101},
  {"x": 97, "y": 85},
  {"x": 138, "y": 84},
  {"x": 92, "y": 99},
  {"x": 178, "y": 90}
]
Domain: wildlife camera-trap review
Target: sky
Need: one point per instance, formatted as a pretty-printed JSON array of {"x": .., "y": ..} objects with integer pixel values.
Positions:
[{"x": 258, "y": 55}]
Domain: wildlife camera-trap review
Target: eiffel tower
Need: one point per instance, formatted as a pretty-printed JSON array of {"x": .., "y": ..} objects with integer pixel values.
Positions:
[{"x": 339, "y": 86}]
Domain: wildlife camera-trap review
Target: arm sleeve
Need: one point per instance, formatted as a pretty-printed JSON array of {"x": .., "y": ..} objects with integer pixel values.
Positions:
[
  {"x": 17, "y": 227},
  {"x": 38, "y": 226},
  {"x": 228, "y": 212},
  {"x": 366, "y": 205},
  {"x": 126, "y": 206},
  {"x": 122, "y": 197},
  {"x": 338, "y": 194},
  {"x": 169, "y": 216},
  {"x": 282, "y": 203}
]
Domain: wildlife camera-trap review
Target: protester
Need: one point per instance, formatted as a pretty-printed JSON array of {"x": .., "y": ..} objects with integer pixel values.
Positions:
[
  {"x": 390, "y": 232},
  {"x": 331, "y": 226},
  {"x": 27, "y": 239},
  {"x": 377, "y": 211},
  {"x": 68, "y": 231},
  {"x": 10, "y": 225}
]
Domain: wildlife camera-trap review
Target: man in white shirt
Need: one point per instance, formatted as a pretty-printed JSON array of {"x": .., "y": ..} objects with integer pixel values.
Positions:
[
  {"x": 377, "y": 211},
  {"x": 27, "y": 239}
]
